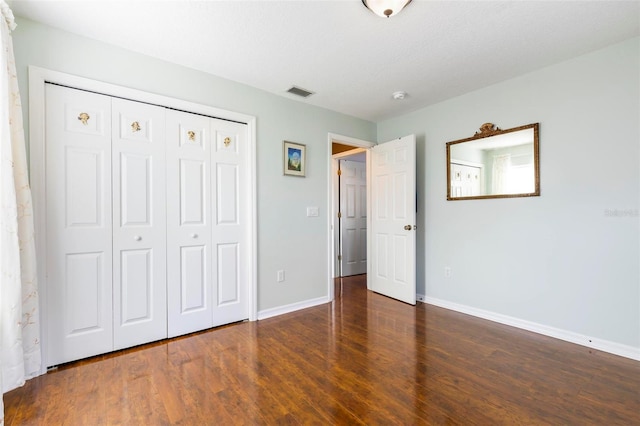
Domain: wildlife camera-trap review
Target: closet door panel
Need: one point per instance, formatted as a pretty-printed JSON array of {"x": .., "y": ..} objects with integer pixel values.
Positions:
[
  {"x": 84, "y": 181},
  {"x": 83, "y": 293},
  {"x": 228, "y": 266},
  {"x": 135, "y": 286},
  {"x": 135, "y": 193},
  {"x": 139, "y": 204},
  {"x": 78, "y": 223},
  {"x": 229, "y": 232},
  {"x": 192, "y": 187},
  {"x": 193, "y": 274},
  {"x": 189, "y": 223},
  {"x": 227, "y": 194}
]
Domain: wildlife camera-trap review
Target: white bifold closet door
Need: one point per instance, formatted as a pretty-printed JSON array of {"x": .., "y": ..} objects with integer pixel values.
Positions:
[
  {"x": 205, "y": 229},
  {"x": 79, "y": 320},
  {"x": 106, "y": 221},
  {"x": 146, "y": 223},
  {"x": 230, "y": 231},
  {"x": 139, "y": 215},
  {"x": 188, "y": 223}
]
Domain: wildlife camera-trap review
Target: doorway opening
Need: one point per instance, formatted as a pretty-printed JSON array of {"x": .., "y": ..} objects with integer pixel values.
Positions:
[
  {"x": 351, "y": 203},
  {"x": 349, "y": 206},
  {"x": 391, "y": 168}
]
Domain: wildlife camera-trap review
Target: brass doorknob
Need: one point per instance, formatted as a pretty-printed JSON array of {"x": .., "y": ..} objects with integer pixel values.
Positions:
[{"x": 407, "y": 227}]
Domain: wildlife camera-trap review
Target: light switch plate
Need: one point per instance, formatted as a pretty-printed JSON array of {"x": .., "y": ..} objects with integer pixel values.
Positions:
[{"x": 312, "y": 212}]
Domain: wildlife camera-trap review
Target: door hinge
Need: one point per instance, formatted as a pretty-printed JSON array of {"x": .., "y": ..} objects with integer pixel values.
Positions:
[
  {"x": 339, "y": 215},
  {"x": 339, "y": 257},
  {"x": 339, "y": 172}
]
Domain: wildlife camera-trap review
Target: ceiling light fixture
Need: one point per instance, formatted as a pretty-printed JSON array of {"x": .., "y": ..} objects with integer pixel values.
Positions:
[{"x": 385, "y": 8}]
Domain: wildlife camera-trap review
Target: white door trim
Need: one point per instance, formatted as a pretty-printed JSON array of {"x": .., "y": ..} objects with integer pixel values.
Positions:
[
  {"x": 332, "y": 166},
  {"x": 37, "y": 79}
]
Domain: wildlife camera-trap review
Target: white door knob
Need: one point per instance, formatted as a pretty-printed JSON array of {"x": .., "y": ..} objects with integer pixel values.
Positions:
[
  {"x": 137, "y": 238},
  {"x": 194, "y": 235}
]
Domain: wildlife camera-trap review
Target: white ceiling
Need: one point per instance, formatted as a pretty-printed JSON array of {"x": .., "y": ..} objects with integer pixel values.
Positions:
[{"x": 352, "y": 59}]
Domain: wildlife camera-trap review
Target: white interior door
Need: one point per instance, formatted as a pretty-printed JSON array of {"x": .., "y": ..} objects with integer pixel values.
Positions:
[
  {"x": 393, "y": 221},
  {"x": 139, "y": 223},
  {"x": 353, "y": 220},
  {"x": 230, "y": 221},
  {"x": 189, "y": 194},
  {"x": 78, "y": 223}
]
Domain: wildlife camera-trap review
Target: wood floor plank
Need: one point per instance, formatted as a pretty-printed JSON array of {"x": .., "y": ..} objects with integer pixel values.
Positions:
[{"x": 364, "y": 359}]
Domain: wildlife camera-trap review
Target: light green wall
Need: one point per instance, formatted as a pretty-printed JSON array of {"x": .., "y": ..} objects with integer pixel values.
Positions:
[
  {"x": 569, "y": 259},
  {"x": 287, "y": 239}
]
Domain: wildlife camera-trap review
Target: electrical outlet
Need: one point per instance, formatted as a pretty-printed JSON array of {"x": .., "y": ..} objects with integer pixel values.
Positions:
[
  {"x": 280, "y": 276},
  {"x": 447, "y": 271}
]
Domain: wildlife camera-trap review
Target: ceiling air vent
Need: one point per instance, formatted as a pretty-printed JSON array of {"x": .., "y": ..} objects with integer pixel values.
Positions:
[{"x": 299, "y": 92}]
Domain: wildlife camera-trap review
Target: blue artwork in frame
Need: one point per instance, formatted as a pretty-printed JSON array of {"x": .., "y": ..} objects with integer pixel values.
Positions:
[{"x": 294, "y": 159}]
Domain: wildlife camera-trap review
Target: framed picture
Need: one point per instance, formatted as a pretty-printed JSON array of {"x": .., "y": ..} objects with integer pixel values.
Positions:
[{"x": 295, "y": 163}]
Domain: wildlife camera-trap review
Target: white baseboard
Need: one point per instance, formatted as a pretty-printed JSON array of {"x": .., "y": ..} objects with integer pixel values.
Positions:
[
  {"x": 568, "y": 336},
  {"x": 268, "y": 313}
]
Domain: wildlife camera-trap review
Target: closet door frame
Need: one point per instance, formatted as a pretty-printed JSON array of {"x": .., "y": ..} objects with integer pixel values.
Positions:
[{"x": 38, "y": 77}]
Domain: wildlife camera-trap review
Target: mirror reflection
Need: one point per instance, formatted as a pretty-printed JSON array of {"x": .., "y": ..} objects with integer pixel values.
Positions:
[{"x": 494, "y": 163}]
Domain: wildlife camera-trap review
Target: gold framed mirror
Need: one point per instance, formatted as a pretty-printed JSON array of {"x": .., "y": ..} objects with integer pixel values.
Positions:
[{"x": 494, "y": 163}]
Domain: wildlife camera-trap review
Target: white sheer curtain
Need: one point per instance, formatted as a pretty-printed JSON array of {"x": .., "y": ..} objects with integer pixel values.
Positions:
[
  {"x": 499, "y": 173},
  {"x": 19, "y": 320}
]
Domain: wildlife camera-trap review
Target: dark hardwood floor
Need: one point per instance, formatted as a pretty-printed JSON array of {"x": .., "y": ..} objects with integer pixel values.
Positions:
[{"x": 365, "y": 359}]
